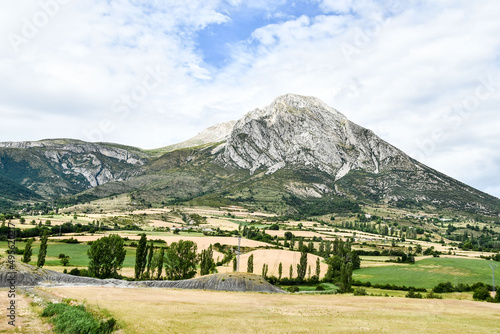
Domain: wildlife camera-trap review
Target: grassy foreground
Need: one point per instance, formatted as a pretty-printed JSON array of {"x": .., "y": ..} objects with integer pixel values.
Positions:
[{"x": 194, "y": 311}]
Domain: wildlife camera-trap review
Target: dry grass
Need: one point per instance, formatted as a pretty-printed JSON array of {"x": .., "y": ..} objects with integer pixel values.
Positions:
[
  {"x": 202, "y": 242},
  {"x": 273, "y": 257},
  {"x": 191, "y": 311},
  {"x": 222, "y": 224}
]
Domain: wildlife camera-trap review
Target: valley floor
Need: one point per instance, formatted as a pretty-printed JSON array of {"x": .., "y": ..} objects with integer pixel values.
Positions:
[{"x": 141, "y": 310}]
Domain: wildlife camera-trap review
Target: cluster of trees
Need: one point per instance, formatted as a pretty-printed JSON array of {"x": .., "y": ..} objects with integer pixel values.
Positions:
[
  {"x": 39, "y": 230},
  {"x": 341, "y": 264},
  {"x": 449, "y": 287},
  {"x": 179, "y": 260},
  {"x": 296, "y": 275},
  {"x": 42, "y": 253},
  {"x": 341, "y": 261},
  {"x": 256, "y": 234},
  {"x": 106, "y": 256},
  {"x": 318, "y": 207}
]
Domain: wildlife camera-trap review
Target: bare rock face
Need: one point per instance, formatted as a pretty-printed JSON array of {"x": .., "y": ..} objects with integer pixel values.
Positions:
[{"x": 299, "y": 130}]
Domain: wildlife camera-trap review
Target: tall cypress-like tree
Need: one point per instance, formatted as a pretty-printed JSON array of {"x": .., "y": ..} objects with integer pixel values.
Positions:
[
  {"x": 43, "y": 250},
  {"x": 321, "y": 250},
  {"x": 280, "y": 271},
  {"x": 160, "y": 262},
  {"x": 318, "y": 267},
  {"x": 291, "y": 272},
  {"x": 150, "y": 258},
  {"x": 265, "y": 269},
  {"x": 345, "y": 277},
  {"x": 302, "y": 266},
  {"x": 140, "y": 256},
  {"x": 207, "y": 263},
  {"x": 250, "y": 264},
  {"x": 28, "y": 251}
]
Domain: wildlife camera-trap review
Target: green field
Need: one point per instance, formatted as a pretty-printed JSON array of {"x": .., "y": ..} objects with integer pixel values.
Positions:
[
  {"x": 76, "y": 252},
  {"x": 428, "y": 273}
]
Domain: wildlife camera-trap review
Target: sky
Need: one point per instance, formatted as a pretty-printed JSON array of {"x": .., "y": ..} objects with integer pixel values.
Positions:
[{"x": 423, "y": 75}]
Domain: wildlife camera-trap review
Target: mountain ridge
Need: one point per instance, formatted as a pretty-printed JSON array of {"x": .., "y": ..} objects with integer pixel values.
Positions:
[{"x": 296, "y": 150}]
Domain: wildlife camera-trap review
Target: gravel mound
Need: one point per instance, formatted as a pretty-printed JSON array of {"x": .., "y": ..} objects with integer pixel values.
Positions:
[{"x": 28, "y": 275}]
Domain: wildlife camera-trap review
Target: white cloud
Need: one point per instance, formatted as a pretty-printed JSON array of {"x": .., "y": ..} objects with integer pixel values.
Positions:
[{"x": 396, "y": 67}]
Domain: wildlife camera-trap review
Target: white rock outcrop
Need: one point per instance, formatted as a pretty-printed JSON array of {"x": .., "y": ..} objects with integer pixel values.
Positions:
[{"x": 300, "y": 130}]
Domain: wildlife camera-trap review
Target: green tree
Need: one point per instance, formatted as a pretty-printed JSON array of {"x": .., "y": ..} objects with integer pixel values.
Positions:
[
  {"x": 150, "y": 258},
  {"x": 290, "y": 273},
  {"x": 310, "y": 247},
  {"x": 65, "y": 260},
  {"x": 235, "y": 264},
  {"x": 207, "y": 263},
  {"x": 318, "y": 267},
  {"x": 265, "y": 269},
  {"x": 334, "y": 265},
  {"x": 140, "y": 256},
  {"x": 28, "y": 251},
  {"x": 280, "y": 271},
  {"x": 157, "y": 263},
  {"x": 321, "y": 250},
  {"x": 356, "y": 261},
  {"x": 106, "y": 256},
  {"x": 302, "y": 266},
  {"x": 345, "y": 277},
  {"x": 250, "y": 264},
  {"x": 43, "y": 250},
  {"x": 181, "y": 260},
  {"x": 481, "y": 293}
]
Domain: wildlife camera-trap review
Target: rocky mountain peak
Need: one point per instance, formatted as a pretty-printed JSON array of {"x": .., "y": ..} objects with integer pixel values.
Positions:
[
  {"x": 301, "y": 130},
  {"x": 213, "y": 134}
]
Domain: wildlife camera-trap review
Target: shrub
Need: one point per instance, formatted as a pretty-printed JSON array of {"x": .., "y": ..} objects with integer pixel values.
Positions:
[
  {"x": 412, "y": 294},
  {"x": 75, "y": 272},
  {"x": 444, "y": 287},
  {"x": 75, "y": 319},
  {"x": 320, "y": 288},
  {"x": 360, "y": 292},
  {"x": 293, "y": 289},
  {"x": 432, "y": 295},
  {"x": 481, "y": 293}
]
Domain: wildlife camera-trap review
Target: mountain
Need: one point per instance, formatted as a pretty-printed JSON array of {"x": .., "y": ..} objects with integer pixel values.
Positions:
[
  {"x": 53, "y": 168},
  {"x": 213, "y": 134},
  {"x": 303, "y": 131},
  {"x": 295, "y": 156}
]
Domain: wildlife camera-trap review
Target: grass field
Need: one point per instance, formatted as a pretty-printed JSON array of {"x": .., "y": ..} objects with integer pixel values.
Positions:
[
  {"x": 195, "y": 311},
  {"x": 428, "y": 273}
]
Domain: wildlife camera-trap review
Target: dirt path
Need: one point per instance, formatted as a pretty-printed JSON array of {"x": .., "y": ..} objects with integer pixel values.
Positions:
[{"x": 27, "y": 320}]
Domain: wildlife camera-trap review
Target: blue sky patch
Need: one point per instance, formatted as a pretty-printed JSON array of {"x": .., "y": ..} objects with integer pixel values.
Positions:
[{"x": 214, "y": 41}]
